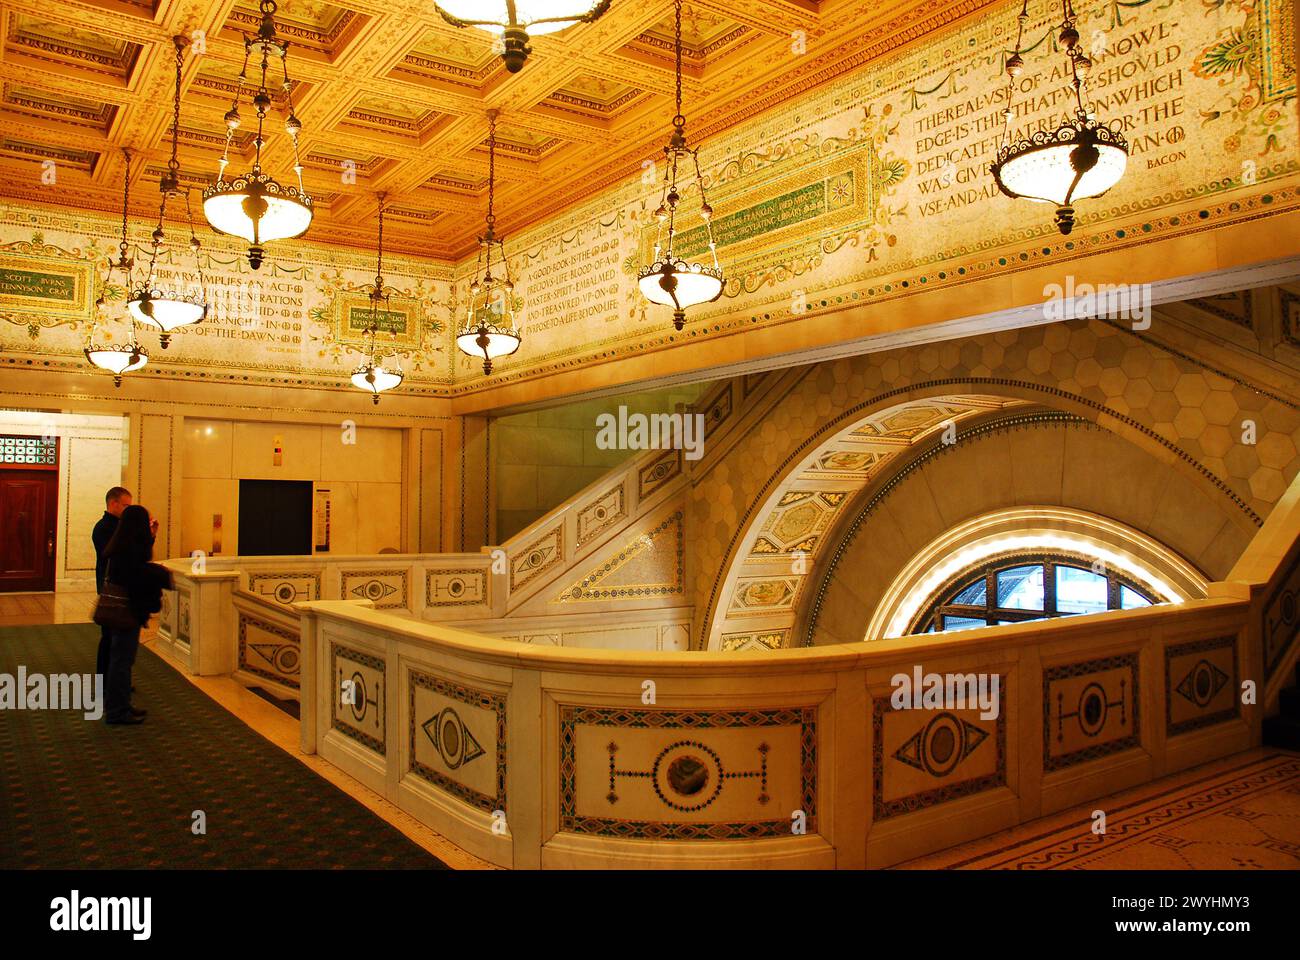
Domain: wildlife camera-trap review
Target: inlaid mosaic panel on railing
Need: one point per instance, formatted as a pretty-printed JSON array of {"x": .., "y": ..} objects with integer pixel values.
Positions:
[
  {"x": 456, "y": 739},
  {"x": 357, "y": 704},
  {"x": 286, "y": 587},
  {"x": 688, "y": 774},
  {"x": 268, "y": 649},
  {"x": 384, "y": 587},
  {"x": 1090, "y": 710},
  {"x": 1201, "y": 684},
  {"x": 923, "y": 758}
]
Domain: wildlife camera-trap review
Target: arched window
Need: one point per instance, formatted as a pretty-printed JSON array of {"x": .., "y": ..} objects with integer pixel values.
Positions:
[{"x": 1014, "y": 589}]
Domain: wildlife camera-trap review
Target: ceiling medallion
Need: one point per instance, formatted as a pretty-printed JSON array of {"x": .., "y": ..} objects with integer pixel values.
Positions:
[
  {"x": 672, "y": 280},
  {"x": 490, "y": 330},
  {"x": 117, "y": 360},
  {"x": 253, "y": 205},
  {"x": 1080, "y": 159},
  {"x": 514, "y": 20},
  {"x": 168, "y": 307},
  {"x": 372, "y": 376}
]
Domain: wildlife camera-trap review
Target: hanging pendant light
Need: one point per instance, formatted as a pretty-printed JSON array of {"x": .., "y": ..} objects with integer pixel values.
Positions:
[
  {"x": 118, "y": 360},
  {"x": 490, "y": 331},
  {"x": 672, "y": 280},
  {"x": 372, "y": 376},
  {"x": 167, "y": 308},
  {"x": 253, "y": 205},
  {"x": 1080, "y": 159},
  {"x": 514, "y": 20}
]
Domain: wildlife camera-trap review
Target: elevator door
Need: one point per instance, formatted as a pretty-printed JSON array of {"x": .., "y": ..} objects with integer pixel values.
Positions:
[
  {"x": 29, "y": 507},
  {"x": 274, "y": 518}
]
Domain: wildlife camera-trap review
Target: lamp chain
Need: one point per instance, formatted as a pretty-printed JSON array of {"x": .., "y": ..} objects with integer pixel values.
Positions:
[
  {"x": 678, "y": 120},
  {"x": 379, "y": 264},
  {"x": 232, "y": 115},
  {"x": 126, "y": 199},
  {"x": 195, "y": 246},
  {"x": 260, "y": 101},
  {"x": 492, "y": 170},
  {"x": 1015, "y": 63},
  {"x": 1078, "y": 60},
  {"x": 173, "y": 165}
]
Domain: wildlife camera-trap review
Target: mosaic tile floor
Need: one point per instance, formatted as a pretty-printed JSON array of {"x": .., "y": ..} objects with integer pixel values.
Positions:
[{"x": 1239, "y": 813}]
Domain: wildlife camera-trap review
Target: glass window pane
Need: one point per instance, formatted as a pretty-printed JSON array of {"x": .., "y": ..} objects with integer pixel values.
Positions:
[
  {"x": 962, "y": 623},
  {"x": 1130, "y": 599},
  {"x": 1080, "y": 591},
  {"x": 973, "y": 594},
  {"x": 1021, "y": 588}
]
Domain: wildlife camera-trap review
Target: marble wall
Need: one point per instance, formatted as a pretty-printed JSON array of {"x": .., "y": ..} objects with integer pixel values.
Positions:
[
  {"x": 359, "y": 470},
  {"x": 92, "y": 454},
  {"x": 543, "y": 457}
]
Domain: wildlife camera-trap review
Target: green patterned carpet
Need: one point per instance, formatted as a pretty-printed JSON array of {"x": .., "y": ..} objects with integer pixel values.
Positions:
[{"x": 76, "y": 793}]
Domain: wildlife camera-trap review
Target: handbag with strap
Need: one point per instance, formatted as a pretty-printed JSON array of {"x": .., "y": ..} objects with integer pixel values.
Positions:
[{"x": 113, "y": 608}]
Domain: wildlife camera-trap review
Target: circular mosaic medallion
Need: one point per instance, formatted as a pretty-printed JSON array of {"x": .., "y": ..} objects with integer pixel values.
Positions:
[
  {"x": 941, "y": 744},
  {"x": 359, "y": 702},
  {"x": 1092, "y": 709},
  {"x": 687, "y": 776},
  {"x": 286, "y": 659},
  {"x": 1202, "y": 683}
]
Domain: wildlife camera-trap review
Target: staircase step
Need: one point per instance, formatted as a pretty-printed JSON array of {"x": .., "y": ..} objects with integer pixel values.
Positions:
[
  {"x": 1289, "y": 702},
  {"x": 1282, "y": 732}
]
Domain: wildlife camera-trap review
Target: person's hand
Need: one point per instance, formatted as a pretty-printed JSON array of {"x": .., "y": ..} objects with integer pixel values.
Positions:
[{"x": 153, "y": 527}]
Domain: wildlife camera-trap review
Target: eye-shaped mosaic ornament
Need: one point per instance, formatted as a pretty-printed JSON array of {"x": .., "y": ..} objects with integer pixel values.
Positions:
[
  {"x": 283, "y": 657},
  {"x": 1202, "y": 682},
  {"x": 536, "y": 558},
  {"x": 374, "y": 590},
  {"x": 942, "y": 744},
  {"x": 451, "y": 738}
]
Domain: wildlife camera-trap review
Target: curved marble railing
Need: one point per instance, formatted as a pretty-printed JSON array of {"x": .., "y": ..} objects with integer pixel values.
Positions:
[
  {"x": 548, "y": 757},
  {"x": 231, "y": 614},
  {"x": 236, "y": 614}
]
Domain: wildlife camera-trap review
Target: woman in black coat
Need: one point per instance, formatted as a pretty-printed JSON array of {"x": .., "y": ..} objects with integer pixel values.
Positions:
[{"x": 129, "y": 553}]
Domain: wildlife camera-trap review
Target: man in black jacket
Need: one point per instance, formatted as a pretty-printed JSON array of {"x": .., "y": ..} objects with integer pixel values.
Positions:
[{"x": 115, "y": 501}]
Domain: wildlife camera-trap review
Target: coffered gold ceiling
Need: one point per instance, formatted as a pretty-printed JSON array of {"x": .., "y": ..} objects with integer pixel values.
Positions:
[{"x": 392, "y": 92}]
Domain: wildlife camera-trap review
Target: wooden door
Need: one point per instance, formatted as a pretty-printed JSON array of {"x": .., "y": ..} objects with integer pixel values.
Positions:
[{"x": 29, "y": 506}]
